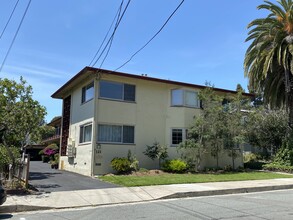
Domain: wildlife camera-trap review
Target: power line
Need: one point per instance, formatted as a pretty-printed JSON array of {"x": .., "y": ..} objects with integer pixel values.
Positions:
[
  {"x": 112, "y": 36},
  {"x": 111, "y": 41},
  {"x": 152, "y": 37},
  {"x": 27, "y": 7},
  {"x": 9, "y": 19},
  {"x": 117, "y": 15}
]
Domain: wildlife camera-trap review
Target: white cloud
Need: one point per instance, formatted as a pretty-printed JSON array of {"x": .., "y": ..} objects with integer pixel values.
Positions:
[{"x": 36, "y": 71}]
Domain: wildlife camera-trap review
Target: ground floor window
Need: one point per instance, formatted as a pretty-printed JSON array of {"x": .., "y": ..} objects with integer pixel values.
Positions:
[
  {"x": 178, "y": 135},
  {"x": 115, "y": 134},
  {"x": 85, "y": 133}
]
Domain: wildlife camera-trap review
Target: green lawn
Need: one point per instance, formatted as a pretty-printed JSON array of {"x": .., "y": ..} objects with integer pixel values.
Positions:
[{"x": 164, "y": 179}]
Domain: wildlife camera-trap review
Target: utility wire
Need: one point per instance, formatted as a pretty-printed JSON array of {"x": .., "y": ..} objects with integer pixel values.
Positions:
[
  {"x": 117, "y": 15},
  {"x": 112, "y": 36},
  {"x": 152, "y": 37},
  {"x": 111, "y": 39},
  {"x": 27, "y": 7},
  {"x": 9, "y": 19}
]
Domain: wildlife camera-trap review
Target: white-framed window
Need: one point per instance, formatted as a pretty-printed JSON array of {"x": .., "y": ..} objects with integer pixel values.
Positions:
[
  {"x": 123, "y": 134},
  {"x": 85, "y": 133},
  {"x": 178, "y": 135},
  {"x": 87, "y": 92},
  {"x": 188, "y": 98},
  {"x": 117, "y": 91}
]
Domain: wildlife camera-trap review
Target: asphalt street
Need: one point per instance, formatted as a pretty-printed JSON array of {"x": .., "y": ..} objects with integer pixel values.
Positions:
[
  {"x": 45, "y": 179},
  {"x": 265, "y": 205}
]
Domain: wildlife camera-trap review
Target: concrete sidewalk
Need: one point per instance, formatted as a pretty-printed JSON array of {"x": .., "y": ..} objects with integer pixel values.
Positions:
[{"x": 96, "y": 197}]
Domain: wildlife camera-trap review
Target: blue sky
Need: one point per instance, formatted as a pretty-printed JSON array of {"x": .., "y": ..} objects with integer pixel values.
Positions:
[{"x": 204, "y": 41}]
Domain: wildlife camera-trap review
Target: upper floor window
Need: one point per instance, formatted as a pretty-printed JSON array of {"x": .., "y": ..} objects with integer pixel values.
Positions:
[
  {"x": 117, "y": 91},
  {"x": 87, "y": 92},
  {"x": 85, "y": 134},
  {"x": 180, "y": 97}
]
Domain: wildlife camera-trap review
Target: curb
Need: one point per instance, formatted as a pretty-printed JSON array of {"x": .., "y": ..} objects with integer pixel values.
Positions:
[
  {"x": 227, "y": 191},
  {"x": 22, "y": 208}
]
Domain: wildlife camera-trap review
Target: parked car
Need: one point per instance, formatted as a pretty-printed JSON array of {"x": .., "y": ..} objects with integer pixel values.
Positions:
[{"x": 2, "y": 195}]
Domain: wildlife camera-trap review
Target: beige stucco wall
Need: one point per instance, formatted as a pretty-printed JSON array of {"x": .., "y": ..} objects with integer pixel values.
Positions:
[
  {"x": 151, "y": 114},
  {"x": 81, "y": 114},
  {"x": 153, "y": 118}
]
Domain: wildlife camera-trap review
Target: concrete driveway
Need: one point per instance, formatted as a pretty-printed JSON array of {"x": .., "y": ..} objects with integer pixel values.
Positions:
[{"x": 45, "y": 179}]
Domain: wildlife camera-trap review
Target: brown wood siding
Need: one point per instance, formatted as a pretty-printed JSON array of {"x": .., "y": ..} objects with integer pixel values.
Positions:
[{"x": 65, "y": 124}]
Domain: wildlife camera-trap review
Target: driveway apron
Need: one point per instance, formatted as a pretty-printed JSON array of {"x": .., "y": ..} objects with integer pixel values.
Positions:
[{"x": 45, "y": 179}]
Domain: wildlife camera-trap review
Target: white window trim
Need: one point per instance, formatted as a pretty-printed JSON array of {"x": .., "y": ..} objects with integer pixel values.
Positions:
[
  {"x": 85, "y": 125},
  {"x": 184, "y": 134},
  {"x": 116, "y": 143},
  {"x": 113, "y": 99}
]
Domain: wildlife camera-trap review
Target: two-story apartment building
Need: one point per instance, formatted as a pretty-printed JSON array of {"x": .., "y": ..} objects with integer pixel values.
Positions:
[{"x": 107, "y": 113}]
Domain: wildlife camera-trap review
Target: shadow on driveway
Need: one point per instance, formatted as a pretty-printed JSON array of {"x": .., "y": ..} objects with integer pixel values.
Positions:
[
  {"x": 40, "y": 176},
  {"x": 45, "y": 179}
]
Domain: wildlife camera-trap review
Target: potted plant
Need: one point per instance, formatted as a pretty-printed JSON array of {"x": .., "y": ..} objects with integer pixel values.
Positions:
[{"x": 56, "y": 161}]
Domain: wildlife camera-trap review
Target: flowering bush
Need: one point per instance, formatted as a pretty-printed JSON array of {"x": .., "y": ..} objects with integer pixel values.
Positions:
[{"x": 49, "y": 152}]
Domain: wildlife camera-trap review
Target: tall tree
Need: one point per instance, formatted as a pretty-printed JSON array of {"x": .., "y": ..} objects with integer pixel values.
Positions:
[
  {"x": 233, "y": 122},
  {"x": 20, "y": 115},
  {"x": 206, "y": 133},
  {"x": 269, "y": 59}
]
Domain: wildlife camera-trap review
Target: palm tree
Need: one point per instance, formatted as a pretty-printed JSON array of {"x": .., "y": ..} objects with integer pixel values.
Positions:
[{"x": 269, "y": 59}]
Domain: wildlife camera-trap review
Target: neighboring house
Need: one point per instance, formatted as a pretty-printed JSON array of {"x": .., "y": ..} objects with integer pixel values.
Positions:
[
  {"x": 34, "y": 149},
  {"x": 107, "y": 113},
  {"x": 54, "y": 138}
]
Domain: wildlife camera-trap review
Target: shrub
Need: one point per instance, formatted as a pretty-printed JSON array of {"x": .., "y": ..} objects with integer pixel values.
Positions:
[
  {"x": 41, "y": 152},
  {"x": 284, "y": 156},
  {"x": 50, "y": 150},
  {"x": 51, "y": 147},
  {"x": 143, "y": 170},
  {"x": 4, "y": 155},
  {"x": 175, "y": 166},
  {"x": 156, "y": 151},
  {"x": 254, "y": 165},
  {"x": 278, "y": 167},
  {"x": 228, "y": 168},
  {"x": 134, "y": 163},
  {"x": 250, "y": 157},
  {"x": 121, "y": 164}
]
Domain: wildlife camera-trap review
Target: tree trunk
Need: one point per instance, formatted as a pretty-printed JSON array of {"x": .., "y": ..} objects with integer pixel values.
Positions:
[
  {"x": 289, "y": 97},
  {"x": 290, "y": 109}
]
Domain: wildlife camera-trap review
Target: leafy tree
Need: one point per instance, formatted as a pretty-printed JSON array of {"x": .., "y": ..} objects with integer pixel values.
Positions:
[
  {"x": 266, "y": 129},
  {"x": 20, "y": 115},
  {"x": 269, "y": 59},
  {"x": 233, "y": 133},
  {"x": 212, "y": 113},
  {"x": 5, "y": 159},
  {"x": 156, "y": 151},
  {"x": 44, "y": 132},
  {"x": 239, "y": 88},
  {"x": 206, "y": 132},
  {"x": 218, "y": 127}
]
